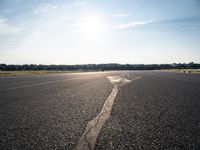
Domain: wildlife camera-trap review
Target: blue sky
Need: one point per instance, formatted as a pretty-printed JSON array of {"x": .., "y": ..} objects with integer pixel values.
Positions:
[{"x": 99, "y": 31}]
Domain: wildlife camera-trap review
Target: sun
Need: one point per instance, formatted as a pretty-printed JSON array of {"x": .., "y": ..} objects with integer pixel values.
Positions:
[{"x": 92, "y": 26}]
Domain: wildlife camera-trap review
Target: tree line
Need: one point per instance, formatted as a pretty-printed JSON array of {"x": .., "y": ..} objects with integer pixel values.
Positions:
[{"x": 100, "y": 67}]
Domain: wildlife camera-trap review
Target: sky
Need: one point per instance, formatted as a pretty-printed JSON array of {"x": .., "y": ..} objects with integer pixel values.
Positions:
[{"x": 99, "y": 31}]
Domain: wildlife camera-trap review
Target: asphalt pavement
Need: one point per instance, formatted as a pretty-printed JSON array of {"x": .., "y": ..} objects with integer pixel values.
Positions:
[{"x": 158, "y": 111}]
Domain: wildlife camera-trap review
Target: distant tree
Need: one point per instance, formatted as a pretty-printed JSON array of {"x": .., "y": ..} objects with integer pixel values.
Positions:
[
  {"x": 111, "y": 66},
  {"x": 3, "y": 67}
]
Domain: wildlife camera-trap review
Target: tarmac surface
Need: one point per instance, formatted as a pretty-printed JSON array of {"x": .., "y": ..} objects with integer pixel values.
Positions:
[{"x": 161, "y": 110}]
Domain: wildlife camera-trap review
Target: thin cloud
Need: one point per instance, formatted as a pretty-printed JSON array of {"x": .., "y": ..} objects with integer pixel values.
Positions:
[
  {"x": 190, "y": 19},
  {"x": 120, "y": 15},
  {"x": 132, "y": 24},
  {"x": 80, "y": 2},
  {"x": 7, "y": 28},
  {"x": 192, "y": 28},
  {"x": 44, "y": 8}
]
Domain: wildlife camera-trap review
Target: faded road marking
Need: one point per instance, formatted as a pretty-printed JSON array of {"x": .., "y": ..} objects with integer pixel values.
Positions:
[
  {"x": 42, "y": 83},
  {"x": 118, "y": 81},
  {"x": 88, "y": 139},
  {"x": 136, "y": 78}
]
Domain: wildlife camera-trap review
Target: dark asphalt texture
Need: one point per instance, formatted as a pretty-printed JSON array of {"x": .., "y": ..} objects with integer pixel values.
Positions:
[{"x": 159, "y": 111}]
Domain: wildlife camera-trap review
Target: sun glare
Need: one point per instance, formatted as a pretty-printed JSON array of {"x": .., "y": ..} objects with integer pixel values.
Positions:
[{"x": 92, "y": 26}]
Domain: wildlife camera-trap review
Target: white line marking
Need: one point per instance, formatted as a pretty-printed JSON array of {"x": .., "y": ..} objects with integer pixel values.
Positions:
[
  {"x": 88, "y": 139},
  {"x": 136, "y": 78},
  {"x": 42, "y": 83}
]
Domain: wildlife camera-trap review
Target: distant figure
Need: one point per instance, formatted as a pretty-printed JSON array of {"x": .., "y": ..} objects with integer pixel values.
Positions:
[
  {"x": 189, "y": 72},
  {"x": 183, "y": 71}
]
